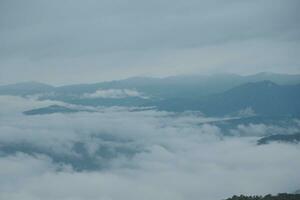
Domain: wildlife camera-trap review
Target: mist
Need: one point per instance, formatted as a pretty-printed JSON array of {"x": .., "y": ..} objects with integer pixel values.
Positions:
[{"x": 136, "y": 154}]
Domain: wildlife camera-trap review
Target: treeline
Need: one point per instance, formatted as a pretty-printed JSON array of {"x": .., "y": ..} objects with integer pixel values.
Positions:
[{"x": 282, "y": 196}]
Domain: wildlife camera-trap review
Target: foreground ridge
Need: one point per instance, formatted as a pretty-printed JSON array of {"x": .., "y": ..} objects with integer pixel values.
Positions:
[{"x": 282, "y": 196}]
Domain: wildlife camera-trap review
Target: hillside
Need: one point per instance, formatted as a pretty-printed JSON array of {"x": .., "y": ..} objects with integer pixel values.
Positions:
[
  {"x": 282, "y": 196},
  {"x": 264, "y": 98}
]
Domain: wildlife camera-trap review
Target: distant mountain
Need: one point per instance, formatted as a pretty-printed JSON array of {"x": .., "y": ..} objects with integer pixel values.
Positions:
[
  {"x": 264, "y": 98},
  {"x": 217, "y": 95},
  {"x": 50, "y": 109},
  {"x": 176, "y": 86},
  {"x": 26, "y": 88},
  {"x": 291, "y": 138},
  {"x": 281, "y": 79},
  {"x": 169, "y": 87}
]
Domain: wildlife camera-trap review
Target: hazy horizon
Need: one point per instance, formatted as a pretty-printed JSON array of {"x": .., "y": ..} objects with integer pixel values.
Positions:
[{"x": 154, "y": 77}]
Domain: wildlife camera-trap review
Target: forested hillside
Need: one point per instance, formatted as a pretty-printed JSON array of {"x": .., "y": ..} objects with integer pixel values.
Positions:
[{"x": 282, "y": 196}]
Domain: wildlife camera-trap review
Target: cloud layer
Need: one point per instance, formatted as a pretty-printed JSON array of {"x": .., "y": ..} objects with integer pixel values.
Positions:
[
  {"x": 114, "y": 94},
  {"x": 135, "y": 155}
]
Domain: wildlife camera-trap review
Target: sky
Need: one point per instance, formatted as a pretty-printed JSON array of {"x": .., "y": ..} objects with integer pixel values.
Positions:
[{"x": 72, "y": 41}]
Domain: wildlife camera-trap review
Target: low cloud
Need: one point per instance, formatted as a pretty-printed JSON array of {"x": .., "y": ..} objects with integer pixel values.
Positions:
[
  {"x": 114, "y": 94},
  {"x": 247, "y": 112},
  {"x": 264, "y": 129},
  {"x": 136, "y": 155}
]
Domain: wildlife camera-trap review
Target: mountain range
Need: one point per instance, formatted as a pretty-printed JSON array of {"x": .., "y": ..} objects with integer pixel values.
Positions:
[{"x": 264, "y": 94}]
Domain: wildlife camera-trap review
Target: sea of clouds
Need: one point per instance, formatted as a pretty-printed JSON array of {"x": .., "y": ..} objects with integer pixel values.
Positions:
[{"x": 116, "y": 153}]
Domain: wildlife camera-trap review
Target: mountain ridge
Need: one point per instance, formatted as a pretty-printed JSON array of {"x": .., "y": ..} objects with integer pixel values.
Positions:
[
  {"x": 259, "y": 96},
  {"x": 161, "y": 88}
]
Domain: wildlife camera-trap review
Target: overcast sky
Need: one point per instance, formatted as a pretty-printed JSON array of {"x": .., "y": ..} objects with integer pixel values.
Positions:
[{"x": 72, "y": 41}]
